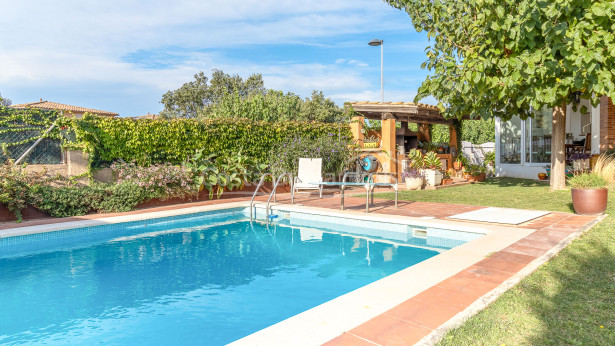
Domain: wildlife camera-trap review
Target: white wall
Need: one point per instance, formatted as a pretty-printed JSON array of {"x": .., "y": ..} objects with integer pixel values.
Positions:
[{"x": 518, "y": 171}]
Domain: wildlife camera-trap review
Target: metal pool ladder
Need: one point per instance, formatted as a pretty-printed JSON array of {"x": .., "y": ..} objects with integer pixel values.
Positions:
[
  {"x": 260, "y": 183},
  {"x": 273, "y": 193},
  {"x": 277, "y": 182}
]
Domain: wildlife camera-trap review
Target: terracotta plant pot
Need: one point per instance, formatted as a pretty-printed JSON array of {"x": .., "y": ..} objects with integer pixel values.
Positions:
[
  {"x": 457, "y": 166},
  {"x": 477, "y": 178},
  {"x": 447, "y": 181},
  {"x": 542, "y": 176},
  {"x": 589, "y": 201}
]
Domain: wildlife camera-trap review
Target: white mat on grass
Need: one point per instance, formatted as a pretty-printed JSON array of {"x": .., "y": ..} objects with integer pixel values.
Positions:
[{"x": 500, "y": 215}]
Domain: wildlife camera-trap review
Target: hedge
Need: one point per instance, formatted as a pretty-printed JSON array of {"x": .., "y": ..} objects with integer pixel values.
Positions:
[{"x": 147, "y": 141}]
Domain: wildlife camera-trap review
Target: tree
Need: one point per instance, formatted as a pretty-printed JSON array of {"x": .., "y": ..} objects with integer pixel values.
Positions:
[
  {"x": 4, "y": 101},
  {"x": 227, "y": 96},
  {"x": 319, "y": 108},
  {"x": 195, "y": 98},
  {"x": 504, "y": 58}
]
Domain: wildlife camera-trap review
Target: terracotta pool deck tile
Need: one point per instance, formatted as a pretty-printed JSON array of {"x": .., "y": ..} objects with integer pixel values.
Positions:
[
  {"x": 538, "y": 244},
  {"x": 485, "y": 274},
  {"x": 388, "y": 330},
  {"x": 422, "y": 313},
  {"x": 501, "y": 265},
  {"x": 448, "y": 299},
  {"x": 349, "y": 340},
  {"x": 525, "y": 250},
  {"x": 513, "y": 257}
]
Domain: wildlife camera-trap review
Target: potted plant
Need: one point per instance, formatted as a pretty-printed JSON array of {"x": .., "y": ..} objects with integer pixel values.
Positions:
[
  {"x": 371, "y": 142},
  {"x": 414, "y": 178},
  {"x": 580, "y": 161},
  {"x": 589, "y": 189},
  {"x": 433, "y": 175},
  {"x": 446, "y": 178},
  {"x": 458, "y": 164},
  {"x": 476, "y": 173},
  {"x": 416, "y": 159}
]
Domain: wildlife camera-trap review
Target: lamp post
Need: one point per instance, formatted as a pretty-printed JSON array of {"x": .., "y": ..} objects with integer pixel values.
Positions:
[{"x": 377, "y": 42}]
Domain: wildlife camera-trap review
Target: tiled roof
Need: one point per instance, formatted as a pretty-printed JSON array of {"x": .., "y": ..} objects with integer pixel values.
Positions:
[
  {"x": 62, "y": 107},
  {"x": 148, "y": 116}
]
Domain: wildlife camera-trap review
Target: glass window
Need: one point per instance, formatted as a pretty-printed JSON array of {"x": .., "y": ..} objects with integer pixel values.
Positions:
[
  {"x": 510, "y": 141},
  {"x": 538, "y": 132}
]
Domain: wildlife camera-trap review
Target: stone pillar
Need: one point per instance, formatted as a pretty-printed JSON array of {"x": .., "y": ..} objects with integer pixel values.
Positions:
[
  {"x": 77, "y": 163},
  {"x": 389, "y": 164},
  {"x": 356, "y": 128}
]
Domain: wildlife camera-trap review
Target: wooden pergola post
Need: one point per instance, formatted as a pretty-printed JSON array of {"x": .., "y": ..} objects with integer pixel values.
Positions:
[
  {"x": 356, "y": 128},
  {"x": 388, "y": 143},
  {"x": 452, "y": 141},
  {"x": 424, "y": 135}
]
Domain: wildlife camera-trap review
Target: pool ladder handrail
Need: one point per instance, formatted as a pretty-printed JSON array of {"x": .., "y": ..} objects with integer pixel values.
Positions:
[
  {"x": 275, "y": 186},
  {"x": 260, "y": 183}
]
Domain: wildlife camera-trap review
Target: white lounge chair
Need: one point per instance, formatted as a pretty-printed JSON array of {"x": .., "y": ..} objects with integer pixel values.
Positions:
[{"x": 309, "y": 176}]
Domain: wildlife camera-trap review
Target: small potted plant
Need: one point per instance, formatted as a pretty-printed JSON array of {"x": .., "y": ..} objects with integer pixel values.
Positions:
[
  {"x": 476, "y": 173},
  {"x": 433, "y": 175},
  {"x": 414, "y": 178},
  {"x": 446, "y": 178},
  {"x": 371, "y": 142},
  {"x": 589, "y": 189},
  {"x": 458, "y": 164}
]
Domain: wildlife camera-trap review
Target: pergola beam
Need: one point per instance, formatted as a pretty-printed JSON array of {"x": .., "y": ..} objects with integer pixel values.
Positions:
[{"x": 410, "y": 112}]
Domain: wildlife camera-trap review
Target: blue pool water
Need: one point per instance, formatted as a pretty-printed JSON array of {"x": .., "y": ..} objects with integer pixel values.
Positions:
[{"x": 207, "y": 279}]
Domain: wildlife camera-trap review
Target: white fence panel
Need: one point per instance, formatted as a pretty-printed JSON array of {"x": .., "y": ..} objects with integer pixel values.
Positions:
[{"x": 476, "y": 153}]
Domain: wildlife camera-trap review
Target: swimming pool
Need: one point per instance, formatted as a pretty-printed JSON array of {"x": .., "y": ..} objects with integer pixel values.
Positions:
[{"x": 203, "y": 278}]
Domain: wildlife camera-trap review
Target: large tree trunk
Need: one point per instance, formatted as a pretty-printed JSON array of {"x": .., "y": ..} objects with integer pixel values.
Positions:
[{"x": 558, "y": 149}]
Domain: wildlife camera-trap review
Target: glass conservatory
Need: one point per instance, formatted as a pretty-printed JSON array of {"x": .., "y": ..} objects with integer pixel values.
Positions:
[{"x": 523, "y": 148}]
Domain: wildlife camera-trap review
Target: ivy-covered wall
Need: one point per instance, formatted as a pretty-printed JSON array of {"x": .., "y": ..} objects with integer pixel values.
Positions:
[{"x": 147, "y": 141}]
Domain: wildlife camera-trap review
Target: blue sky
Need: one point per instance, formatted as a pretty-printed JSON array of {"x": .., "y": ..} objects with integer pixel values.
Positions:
[{"x": 122, "y": 55}]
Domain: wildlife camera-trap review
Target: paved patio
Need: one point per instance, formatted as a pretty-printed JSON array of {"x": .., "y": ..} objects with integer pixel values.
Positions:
[{"x": 420, "y": 317}]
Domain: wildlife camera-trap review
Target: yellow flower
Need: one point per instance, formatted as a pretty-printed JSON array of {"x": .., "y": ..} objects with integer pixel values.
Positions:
[{"x": 601, "y": 326}]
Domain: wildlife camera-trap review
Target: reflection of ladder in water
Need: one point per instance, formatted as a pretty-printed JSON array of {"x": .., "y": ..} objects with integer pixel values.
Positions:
[{"x": 272, "y": 194}]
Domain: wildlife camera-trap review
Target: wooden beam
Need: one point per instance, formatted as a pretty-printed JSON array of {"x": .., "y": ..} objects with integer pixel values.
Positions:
[{"x": 388, "y": 116}]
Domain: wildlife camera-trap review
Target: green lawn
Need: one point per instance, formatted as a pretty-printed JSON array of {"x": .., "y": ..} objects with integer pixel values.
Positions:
[{"x": 569, "y": 300}]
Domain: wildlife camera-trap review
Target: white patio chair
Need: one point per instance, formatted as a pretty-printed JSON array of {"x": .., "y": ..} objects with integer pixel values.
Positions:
[{"x": 309, "y": 175}]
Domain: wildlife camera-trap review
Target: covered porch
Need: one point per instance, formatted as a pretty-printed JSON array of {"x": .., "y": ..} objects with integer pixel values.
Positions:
[{"x": 395, "y": 142}]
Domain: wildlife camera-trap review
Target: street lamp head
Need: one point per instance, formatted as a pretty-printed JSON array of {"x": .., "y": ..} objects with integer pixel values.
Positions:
[{"x": 376, "y": 42}]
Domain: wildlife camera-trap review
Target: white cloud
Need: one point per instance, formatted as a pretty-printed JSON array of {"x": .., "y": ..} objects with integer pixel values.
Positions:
[{"x": 53, "y": 45}]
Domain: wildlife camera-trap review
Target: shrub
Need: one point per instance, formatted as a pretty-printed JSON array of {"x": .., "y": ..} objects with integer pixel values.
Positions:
[
  {"x": 61, "y": 201},
  {"x": 15, "y": 185},
  {"x": 159, "y": 180},
  {"x": 475, "y": 170},
  {"x": 605, "y": 167},
  {"x": 77, "y": 200},
  {"x": 336, "y": 154},
  {"x": 216, "y": 173},
  {"x": 587, "y": 181},
  {"x": 116, "y": 198}
]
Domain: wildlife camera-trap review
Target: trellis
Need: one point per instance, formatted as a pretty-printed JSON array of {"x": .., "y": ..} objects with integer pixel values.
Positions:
[{"x": 20, "y": 128}]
